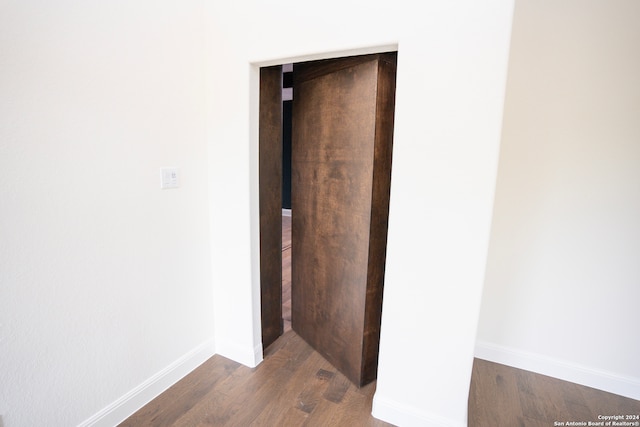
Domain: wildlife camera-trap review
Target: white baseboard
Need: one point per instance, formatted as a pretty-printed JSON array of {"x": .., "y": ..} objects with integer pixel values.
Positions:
[
  {"x": 286, "y": 212},
  {"x": 249, "y": 357},
  {"x": 401, "y": 414},
  {"x": 601, "y": 380},
  {"x": 128, "y": 404}
]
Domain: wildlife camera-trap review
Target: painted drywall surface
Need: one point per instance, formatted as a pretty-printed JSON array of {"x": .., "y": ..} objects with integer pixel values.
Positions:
[
  {"x": 563, "y": 275},
  {"x": 105, "y": 279},
  {"x": 451, "y": 77}
]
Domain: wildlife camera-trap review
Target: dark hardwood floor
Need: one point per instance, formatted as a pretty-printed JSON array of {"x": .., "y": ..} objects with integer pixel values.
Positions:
[{"x": 295, "y": 386}]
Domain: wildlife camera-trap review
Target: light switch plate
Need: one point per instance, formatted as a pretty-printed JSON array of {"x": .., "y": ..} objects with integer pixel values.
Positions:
[{"x": 170, "y": 178}]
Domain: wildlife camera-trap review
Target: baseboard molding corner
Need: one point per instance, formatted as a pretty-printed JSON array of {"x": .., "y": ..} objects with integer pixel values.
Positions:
[
  {"x": 249, "y": 357},
  {"x": 567, "y": 371},
  {"x": 135, "y": 399},
  {"x": 401, "y": 414}
]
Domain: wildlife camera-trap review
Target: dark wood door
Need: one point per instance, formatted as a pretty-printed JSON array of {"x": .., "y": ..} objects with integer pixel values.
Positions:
[
  {"x": 270, "y": 175},
  {"x": 341, "y": 166}
]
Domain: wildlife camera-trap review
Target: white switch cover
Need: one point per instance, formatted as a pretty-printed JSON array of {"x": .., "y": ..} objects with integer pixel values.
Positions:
[{"x": 170, "y": 178}]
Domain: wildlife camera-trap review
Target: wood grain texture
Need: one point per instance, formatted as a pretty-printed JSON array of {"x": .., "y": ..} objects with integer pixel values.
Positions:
[
  {"x": 341, "y": 162},
  {"x": 381, "y": 187},
  {"x": 286, "y": 272},
  {"x": 270, "y": 175},
  {"x": 296, "y": 386},
  {"x": 293, "y": 386},
  {"x": 504, "y": 396}
]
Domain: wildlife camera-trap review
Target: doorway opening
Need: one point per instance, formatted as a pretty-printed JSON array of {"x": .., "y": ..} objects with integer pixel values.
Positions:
[
  {"x": 341, "y": 151},
  {"x": 287, "y": 121}
]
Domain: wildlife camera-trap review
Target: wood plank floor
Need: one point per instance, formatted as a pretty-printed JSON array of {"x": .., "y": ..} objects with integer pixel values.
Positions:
[
  {"x": 286, "y": 272},
  {"x": 295, "y": 386},
  {"x": 505, "y": 396}
]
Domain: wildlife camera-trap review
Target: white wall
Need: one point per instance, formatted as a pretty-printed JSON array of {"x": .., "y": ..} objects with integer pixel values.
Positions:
[
  {"x": 104, "y": 278},
  {"x": 451, "y": 77},
  {"x": 563, "y": 277}
]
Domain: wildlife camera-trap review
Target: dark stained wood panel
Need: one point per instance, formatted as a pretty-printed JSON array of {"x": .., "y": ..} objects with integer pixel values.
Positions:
[
  {"x": 270, "y": 175},
  {"x": 385, "y": 108},
  {"x": 341, "y": 162}
]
